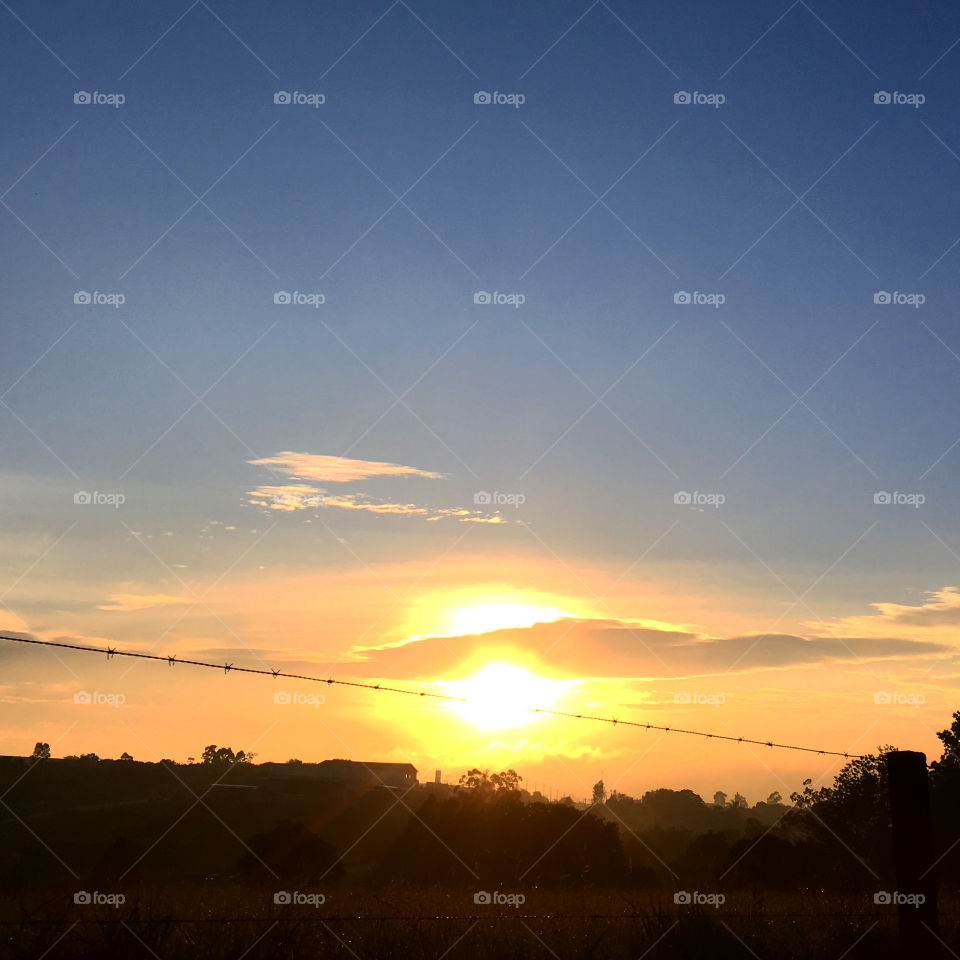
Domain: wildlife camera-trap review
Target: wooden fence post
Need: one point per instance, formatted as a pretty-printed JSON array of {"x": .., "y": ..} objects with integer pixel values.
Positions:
[{"x": 913, "y": 855}]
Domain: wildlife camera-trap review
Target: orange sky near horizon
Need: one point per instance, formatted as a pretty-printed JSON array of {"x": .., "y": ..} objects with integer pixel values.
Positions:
[{"x": 543, "y": 642}]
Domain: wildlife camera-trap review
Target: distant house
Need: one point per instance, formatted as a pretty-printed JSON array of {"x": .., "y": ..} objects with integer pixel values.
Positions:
[{"x": 350, "y": 772}]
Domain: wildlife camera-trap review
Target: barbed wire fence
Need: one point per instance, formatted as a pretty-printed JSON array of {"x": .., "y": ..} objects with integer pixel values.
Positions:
[
  {"x": 910, "y": 811},
  {"x": 111, "y": 652}
]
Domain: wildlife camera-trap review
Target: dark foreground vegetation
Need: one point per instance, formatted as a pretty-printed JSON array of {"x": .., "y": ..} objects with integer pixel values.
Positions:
[{"x": 116, "y": 858}]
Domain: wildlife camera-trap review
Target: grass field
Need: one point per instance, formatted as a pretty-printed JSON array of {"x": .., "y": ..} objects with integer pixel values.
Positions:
[{"x": 216, "y": 923}]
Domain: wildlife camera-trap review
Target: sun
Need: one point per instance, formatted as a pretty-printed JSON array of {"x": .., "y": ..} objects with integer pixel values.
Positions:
[
  {"x": 487, "y": 617},
  {"x": 501, "y": 694}
]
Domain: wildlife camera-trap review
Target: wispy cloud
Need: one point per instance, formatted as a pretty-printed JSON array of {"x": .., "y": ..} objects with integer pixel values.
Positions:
[
  {"x": 302, "y": 497},
  {"x": 938, "y": 615},
  {"x": 122, "y": 602},
  {"x": 315, "y": 467},
  {"x": 326, "y": 469}
]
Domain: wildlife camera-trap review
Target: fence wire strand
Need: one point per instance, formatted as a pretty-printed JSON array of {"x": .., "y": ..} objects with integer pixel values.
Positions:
[{"x": 382, "y": 688}]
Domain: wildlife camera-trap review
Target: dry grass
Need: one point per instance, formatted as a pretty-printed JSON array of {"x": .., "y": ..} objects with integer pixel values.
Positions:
[{"x": 215, "y": 923}]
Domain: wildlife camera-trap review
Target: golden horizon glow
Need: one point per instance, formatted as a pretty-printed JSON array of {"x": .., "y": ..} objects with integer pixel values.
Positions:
[
  {"x": 487, "y": 617},
  {"x": 476, "y": 610},
  {"x": 500, "y": 694}
]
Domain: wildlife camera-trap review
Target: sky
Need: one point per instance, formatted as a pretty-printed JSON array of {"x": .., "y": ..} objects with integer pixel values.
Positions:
[{"x": 596, "y": 356}]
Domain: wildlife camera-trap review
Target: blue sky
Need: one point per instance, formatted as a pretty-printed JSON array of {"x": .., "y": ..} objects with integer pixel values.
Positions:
[{"x": 598, "y": 399}]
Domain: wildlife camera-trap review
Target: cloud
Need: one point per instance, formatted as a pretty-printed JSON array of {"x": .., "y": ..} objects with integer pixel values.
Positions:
[
  {"x": 123, "y": 602},
  {"x": 326, "y": 469},
  {"x": 939, "y": 614},
  {"x": 618, "y": 649},
  {"x": 316, "y": 467},
  {"x": 291, "y": 497},
  {"x": 357, "y": 501},
  {"x": 287, "y": 498}
]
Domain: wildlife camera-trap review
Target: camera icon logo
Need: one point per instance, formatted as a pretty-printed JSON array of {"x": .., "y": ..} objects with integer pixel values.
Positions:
[
  {"x": 81, "y": 896},
  {"x": 81, "y": 297},
  {"x": 482, "y": 897},
  {"x": 281, "y": 96},
  {"x": 281, "y": 897},
  {"x": 681, "y": 696},
  {"x": 481, "y": 96},
  {"x": 881, "y": 96},
  {"x": 681, "y": 296},
  {"x": 482, "y": 498},
  {"x": 82, "y": 697},
  {"x": 481, "y": 296},
  {"x": 282, "y": 297},
  {"x": 681, "y": 897},
  {"x": 882, "y": 698},
  {"x": 882, "y": 498},
  {"x": 881, "y": 296},
  {"x": 682, "y": 498},
  {"x": 281, "y": 697},
  {"x": 81, "y": 96},
  {"x": 681, "y": 96},
  {"x": 82, "y": 497},
  {"x": 882, "y": 898}
]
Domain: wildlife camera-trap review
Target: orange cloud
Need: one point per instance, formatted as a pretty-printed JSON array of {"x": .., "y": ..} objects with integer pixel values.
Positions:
[{"x": 327, "y": 469}]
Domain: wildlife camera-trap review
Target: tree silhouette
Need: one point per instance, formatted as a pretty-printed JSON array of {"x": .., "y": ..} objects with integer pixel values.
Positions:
[
  {"x": 481, "y": 783},
  {"x": 41, "y": 751},
  {"x": 224, "y": 756},
  {"x": 599, "y": 793}
]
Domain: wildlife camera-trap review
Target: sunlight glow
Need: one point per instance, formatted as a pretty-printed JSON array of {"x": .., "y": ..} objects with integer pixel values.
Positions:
[
  {"x": 500, "y": 694},
  {"x": 485, "y": 617},
  {"x": 483, "y": 608}
]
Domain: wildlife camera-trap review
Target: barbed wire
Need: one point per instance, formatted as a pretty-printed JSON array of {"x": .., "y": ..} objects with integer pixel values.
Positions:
[
  {"x": 379, "y": 687},
  {"x": 490, "y": 918}
]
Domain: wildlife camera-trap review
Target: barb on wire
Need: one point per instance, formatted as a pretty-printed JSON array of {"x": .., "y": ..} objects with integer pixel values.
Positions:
[{"x": 379, "y": 687}]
